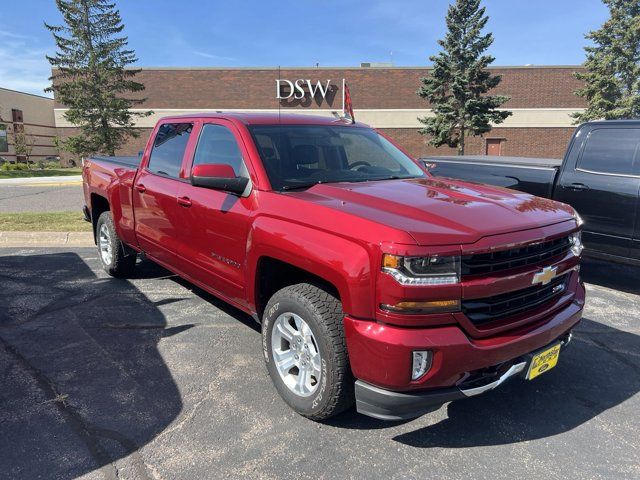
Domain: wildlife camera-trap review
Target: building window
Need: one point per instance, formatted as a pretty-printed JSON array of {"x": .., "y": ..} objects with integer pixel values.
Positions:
[
  {"x": 17, "y": 116},
  {"x": 4, "y": 146}
]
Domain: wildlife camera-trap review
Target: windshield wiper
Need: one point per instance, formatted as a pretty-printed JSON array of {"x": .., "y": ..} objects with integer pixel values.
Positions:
[
  {"x": 376, "y": 179},
  {"x": 351, "y": 180},
  {"x": 301, "y": 186}
]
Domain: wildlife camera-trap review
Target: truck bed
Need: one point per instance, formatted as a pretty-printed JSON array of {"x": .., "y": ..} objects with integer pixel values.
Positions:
[
  {"x": 532, "y": 175},
  {"x": 133, "y": 162},
  {"x": 109, "y": 181}
]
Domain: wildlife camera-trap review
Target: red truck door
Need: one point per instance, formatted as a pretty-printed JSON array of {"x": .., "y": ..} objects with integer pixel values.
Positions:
[
  {"x": 155, "y": 193},
  {"x": 215, "y": 224}
]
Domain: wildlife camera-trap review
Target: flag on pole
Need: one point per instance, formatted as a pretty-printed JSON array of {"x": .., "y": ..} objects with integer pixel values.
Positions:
[{"x": 347, "y": 106}]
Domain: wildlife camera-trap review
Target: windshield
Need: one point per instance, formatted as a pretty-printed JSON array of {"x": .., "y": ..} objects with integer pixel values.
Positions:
[{"x": 299, "y": 156}]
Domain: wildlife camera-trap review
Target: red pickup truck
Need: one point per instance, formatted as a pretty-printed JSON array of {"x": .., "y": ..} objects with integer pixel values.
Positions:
[{"x": 374, "y": 283}]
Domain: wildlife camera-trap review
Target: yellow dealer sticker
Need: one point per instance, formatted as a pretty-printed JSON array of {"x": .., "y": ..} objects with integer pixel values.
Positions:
[{"x": 543, "y": 362}]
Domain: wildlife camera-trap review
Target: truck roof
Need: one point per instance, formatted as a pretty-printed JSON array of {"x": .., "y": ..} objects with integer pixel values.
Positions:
[
  {"x": 270, "y": 118},
  {"x": 614, "y": 122}
]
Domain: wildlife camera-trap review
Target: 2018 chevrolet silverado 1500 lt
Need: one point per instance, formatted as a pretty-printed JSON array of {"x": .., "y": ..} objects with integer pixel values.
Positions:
[
  {"x": 374, "y": 282},
  {"x": 599, "y": 177}
]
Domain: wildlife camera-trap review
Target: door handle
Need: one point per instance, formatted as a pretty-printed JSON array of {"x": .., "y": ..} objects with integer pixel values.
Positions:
[
  {"x": 141, "y": 188},
  {"x": 184, "y": 201},
  {"x": 578, "y": 186}
]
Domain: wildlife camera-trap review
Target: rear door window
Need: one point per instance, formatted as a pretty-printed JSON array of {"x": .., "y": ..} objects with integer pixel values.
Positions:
[
  {"x": 611, "y": 150},
  {"x": 168, "y": 149}
]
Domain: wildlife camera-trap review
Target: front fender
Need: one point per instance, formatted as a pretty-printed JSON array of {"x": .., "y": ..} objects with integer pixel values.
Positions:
[{"x": 337, "y": 260}]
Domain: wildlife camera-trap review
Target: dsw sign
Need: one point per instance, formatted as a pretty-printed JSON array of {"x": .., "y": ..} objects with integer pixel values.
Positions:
[{"x": 298, "y": 89}]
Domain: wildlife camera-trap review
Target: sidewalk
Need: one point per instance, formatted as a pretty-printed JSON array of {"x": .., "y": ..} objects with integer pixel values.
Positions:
[
  {"x": 46, "y": 239},
  {"x": 40, "y": 181}
]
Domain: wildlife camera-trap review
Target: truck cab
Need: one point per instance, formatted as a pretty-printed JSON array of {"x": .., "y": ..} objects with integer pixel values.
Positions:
[{"x": 600, "y": 177}]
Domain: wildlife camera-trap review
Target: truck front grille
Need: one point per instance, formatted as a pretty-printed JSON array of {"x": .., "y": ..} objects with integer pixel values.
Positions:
[
  {"x": 531, "y": 254},
  {"x": 486, "y": 310}
]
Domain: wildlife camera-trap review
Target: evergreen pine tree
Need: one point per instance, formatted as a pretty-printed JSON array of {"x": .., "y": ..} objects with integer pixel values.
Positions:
[
  {"x": 612, "y": 75},
  {"x": 458, "y": 82},
  {"x": 91, "y": 78}
]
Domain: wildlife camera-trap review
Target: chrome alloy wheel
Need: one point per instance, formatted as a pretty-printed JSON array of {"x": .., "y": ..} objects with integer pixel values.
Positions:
[
  {"x": 295, "y": 354},
  {"x": 104, "y": 244}
]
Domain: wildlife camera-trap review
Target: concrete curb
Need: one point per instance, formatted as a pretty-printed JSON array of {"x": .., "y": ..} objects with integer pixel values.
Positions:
[
  {"x": 46, "y": 239},
  {"x": 71, "y": 180}
]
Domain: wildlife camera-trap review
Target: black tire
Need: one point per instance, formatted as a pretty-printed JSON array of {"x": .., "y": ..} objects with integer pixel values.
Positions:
[
  {"x": 323, "y": 313},
  {"x": 123, "y": 259}
]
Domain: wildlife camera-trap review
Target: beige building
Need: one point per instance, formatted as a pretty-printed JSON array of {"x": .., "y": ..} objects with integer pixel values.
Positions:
[{"x": 31, "y": 114}]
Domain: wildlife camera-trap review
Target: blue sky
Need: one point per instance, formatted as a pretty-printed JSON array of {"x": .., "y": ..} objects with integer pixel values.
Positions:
[{"x": 300, "y": 33}]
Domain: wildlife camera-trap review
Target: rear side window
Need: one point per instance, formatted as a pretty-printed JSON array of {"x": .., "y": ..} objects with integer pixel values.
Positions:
[
  {"x": 611, "y": 150},
  {"x": 168, "y": 149},
  {"x": 218, "y": 145}
]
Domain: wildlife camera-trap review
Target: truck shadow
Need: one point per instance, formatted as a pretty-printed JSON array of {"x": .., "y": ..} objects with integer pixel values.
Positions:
[
  {"x": 147, "y": 270},
  {"x": 598, "y": 371},
  {"x": 82, "y": 381}
]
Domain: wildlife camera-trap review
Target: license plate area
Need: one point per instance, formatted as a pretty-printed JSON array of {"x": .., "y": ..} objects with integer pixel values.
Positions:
[{"x": 543, "y": 361}]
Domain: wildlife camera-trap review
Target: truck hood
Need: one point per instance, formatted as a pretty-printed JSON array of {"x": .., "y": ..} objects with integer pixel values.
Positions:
[{"x": 439, "y": 212}]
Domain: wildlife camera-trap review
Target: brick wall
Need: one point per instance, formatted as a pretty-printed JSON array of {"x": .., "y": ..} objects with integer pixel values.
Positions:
[{"x": 536, "y": 87}]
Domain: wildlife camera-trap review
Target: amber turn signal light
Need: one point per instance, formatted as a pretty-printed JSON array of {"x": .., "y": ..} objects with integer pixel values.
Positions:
[
  {"x": 438, "y": 306},
  {"x": 391, "y": 261}
]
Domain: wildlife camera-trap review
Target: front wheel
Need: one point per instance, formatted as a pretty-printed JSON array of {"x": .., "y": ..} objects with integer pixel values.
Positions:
[
  {"x": 116, "y": 258},
  {"x": 305, "y": 351}
]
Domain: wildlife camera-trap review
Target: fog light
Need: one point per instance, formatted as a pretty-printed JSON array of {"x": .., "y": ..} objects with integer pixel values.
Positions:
[{"x": 421, "y": 363}]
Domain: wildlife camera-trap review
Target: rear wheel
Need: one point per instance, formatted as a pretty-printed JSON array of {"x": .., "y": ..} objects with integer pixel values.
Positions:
[
  {"x": 117, "y": 259},
  {"x": 305, "y": 351}
]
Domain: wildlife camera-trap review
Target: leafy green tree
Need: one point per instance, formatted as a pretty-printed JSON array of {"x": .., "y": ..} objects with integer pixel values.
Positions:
[
  {"x": 458, "y": 83},
  {"x": 91, "y": 78},
  {"x": 612, "y": 68}
]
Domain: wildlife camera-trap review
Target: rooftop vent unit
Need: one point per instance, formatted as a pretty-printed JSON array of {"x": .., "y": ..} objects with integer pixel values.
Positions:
[{"x": 376, "y": 65}]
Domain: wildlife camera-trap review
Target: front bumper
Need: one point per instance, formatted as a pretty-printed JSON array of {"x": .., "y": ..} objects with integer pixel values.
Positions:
[
  {"x": 389, "y": 405},
  {"x": 380, "y": 356}
]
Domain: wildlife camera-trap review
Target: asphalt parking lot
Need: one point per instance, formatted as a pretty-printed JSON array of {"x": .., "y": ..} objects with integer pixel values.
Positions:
[
  {"x": 151, "y": 378},
  {"x": 41, "y": 198}
]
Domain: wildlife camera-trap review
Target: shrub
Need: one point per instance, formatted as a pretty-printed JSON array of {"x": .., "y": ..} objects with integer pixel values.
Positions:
[{"x": 14, "y": 167}]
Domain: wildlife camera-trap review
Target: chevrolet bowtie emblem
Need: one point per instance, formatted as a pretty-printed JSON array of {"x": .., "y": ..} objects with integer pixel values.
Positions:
[{"x": 545, "y": 275}]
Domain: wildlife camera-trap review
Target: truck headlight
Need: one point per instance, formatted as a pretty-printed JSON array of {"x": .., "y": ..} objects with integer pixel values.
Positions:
[
  {"x": 431, "y": 270},
  {"x": 575, "y": 239}
]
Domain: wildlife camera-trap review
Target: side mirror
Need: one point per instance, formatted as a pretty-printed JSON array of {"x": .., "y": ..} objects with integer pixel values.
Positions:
[{"x": 218, "y": 177}]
